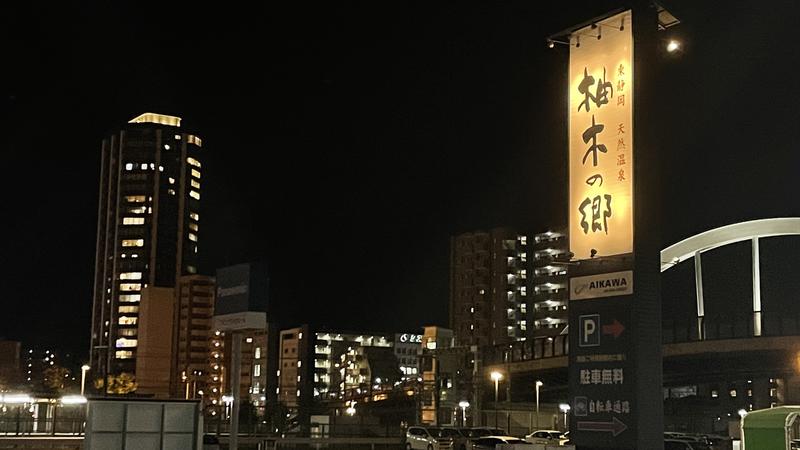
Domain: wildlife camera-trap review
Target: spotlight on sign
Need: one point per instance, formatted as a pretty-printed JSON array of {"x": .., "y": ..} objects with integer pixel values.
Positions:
[{"x": 673, "y": 46}]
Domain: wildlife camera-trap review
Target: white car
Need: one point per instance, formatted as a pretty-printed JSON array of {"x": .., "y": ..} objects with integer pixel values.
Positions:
[
  {"x": 420, "y": 438},
  {"x": 546, "y": 437},
  {"x": 491, "y": 442}
]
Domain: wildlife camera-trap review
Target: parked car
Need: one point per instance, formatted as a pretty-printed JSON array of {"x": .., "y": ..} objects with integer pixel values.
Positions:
[
  {"x": 476, "y": 432},
  {"x": 473, "y": 433},
  {"x": 547, "y": 437},
  {"x": 491, "y": 442},
  {"x": 421, "y": 438},
  {"x": 458, "y": 440},
  {"x": 210, "y": 442}
]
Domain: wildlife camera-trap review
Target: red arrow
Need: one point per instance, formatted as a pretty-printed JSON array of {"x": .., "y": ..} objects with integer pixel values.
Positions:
[
  {"x": 615, "y": 426},
  {"x": 615, "y": 328}
]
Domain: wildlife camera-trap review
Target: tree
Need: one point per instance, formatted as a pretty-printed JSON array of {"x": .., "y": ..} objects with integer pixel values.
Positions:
[
  {"x": 54, "y": 378},
  {"x": 121, "y": 384}
]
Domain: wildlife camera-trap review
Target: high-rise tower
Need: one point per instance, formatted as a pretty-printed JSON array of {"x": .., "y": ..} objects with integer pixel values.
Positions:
[{"x": 147, "y": 229}]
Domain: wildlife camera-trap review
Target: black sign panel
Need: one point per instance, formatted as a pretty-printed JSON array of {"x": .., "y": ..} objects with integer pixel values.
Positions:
[
  {"x": 601, "y": 376},
  {"x": 240, "y": 288}
]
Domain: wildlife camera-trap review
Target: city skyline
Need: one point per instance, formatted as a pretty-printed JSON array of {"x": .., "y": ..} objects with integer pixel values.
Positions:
[{"x": 356, "y": 159}]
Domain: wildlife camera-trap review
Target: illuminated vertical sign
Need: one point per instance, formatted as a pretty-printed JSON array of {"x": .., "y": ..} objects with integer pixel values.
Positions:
[{"x": 601, "y": 138}]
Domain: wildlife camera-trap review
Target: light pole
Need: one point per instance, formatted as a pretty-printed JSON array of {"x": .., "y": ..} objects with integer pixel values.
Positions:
[
  {"x": 84, "y": 368},
  {"x": 496, "y": 377},
  {"x": 463, "y": 404},
  {"x": 564, "y": 409},
  {"x": 538, "y": 385}
]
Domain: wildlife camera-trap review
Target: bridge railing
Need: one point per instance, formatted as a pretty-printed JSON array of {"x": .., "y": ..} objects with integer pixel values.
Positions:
[
  {"x": 537, "y": 348},
  {"x": 674, "y": 331}
]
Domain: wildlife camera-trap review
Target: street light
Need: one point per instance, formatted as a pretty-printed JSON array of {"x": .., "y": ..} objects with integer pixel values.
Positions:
[
  {"x": 496, "y": 377},
  {"x": 538, "y": 385},
  {"x": 463, "y": 404},
  {"x": 564, "y": 409},
  {"x": 84, "y": 368}
]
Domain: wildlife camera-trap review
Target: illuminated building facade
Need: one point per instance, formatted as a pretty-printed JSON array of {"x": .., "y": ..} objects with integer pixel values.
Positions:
[
  {"x": 550, "y": 251},
  {"x": 334, "y": 366},
  {"x": 147, "y": 229}
]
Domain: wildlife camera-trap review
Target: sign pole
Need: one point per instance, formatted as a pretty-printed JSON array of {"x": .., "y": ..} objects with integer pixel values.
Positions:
[
  {"x": 615, "y": 378},
  {"x": 236, "y": 379}
]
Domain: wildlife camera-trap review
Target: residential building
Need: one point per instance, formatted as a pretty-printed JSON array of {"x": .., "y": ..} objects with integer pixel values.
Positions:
[
  {"x": 489, "y": 296},
  {"x": 147, "y": 230},
  {"x": 550, "y": 251}
]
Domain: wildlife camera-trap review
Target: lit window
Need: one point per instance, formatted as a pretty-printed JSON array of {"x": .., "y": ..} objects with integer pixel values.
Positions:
[
  {"x": 257, "y": 370},
  {"x": 195, "y": 184},
  {"x": 191, "y": 269},
  {"x": 126, "y": 332},
  {"x": 130, "y": 276},
  {"x": 249, "y": 340},
  {"x": 133, "y": 243},
  {"x": 171, "y": 180},
  {"x": 194, "y": 194},
  {"x": 257, "y": 353},
  {"x": 128, "y": 309},
  {"x": 195, "y": 173},
  {"x": 129, "y": 166},
  {"x": 192, "y": 237},
  {"x": 171, "y": 191},
  {"x": 177, "y": 137},
  {"x": 126, "y": 343},
  {"x": 133, "y": 220},
  {"x": 137, "y": 209},
  {"x": 123, "y": 354},
  {"x": 144, "y": 166},
  {"x": 166, "y": 146},
  {"x": 194, "y": 216},
  {"x": 125, "y": 320},
  {"x": 192, "y": 139},
  {"x": 126, "y": 298},
  {"x": 135, "y": 198},
  {"x": 193, "y": 226},
  {"x": 130, "y": 287},
  {"x": 193, "y": 162}
]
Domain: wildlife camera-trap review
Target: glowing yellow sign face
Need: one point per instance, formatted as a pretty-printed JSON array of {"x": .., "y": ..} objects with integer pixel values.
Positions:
[{"x": 601, "y": 139}]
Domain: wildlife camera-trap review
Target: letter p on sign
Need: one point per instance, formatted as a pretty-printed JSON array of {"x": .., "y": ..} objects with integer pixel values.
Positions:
[{"x": 589, "y": 330}]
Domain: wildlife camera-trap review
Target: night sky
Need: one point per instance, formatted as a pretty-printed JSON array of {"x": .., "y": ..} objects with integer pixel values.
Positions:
[{"x": 345, "y": 142}]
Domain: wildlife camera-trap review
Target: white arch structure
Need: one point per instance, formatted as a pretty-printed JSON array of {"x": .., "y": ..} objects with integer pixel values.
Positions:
[{"x": 696, "y": 245}]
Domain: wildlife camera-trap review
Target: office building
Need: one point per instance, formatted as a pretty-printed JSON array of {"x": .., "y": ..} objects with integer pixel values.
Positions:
[
  {"x": 147, "y": 229},
  {"x": 407, "y": 348}
]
